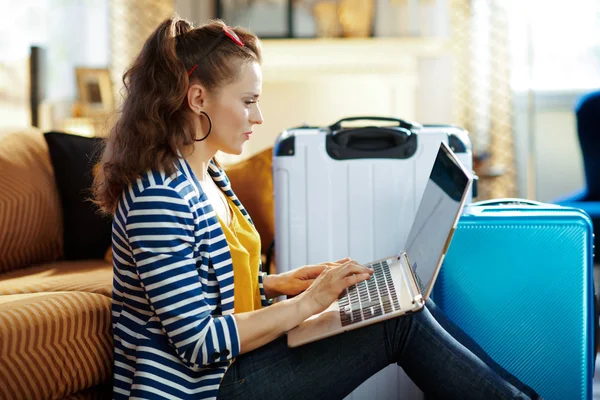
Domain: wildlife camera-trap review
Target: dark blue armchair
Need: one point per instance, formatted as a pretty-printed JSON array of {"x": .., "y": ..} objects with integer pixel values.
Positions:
[{"x": 587, "y": 112}]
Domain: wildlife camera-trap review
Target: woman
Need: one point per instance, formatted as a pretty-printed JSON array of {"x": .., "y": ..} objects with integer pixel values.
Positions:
[{"x": 190, "y": 315}]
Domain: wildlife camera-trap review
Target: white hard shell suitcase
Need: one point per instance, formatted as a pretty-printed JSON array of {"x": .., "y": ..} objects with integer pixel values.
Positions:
[{"x": 354, "y": 191}]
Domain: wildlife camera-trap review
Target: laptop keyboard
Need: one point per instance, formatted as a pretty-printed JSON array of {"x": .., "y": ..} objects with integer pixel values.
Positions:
[{"x": 371, "y": 298}]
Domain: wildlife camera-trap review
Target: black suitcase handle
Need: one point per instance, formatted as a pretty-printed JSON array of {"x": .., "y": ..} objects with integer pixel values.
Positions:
[
  {"x": 371, "y": 138},
  {"x": 401, "y": 123},
  {"x": 394, "y": 142}
]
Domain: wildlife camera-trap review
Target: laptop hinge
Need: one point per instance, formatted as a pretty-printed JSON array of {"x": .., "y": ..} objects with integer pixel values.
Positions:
[{"x": 413, "y": 285}]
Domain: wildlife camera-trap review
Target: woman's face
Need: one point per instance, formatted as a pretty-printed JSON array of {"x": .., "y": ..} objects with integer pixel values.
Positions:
[{"x": 234, "y": 110}]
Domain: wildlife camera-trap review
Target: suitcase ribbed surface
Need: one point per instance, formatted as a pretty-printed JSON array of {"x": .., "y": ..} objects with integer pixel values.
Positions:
[{"x": 520, "y": 284}]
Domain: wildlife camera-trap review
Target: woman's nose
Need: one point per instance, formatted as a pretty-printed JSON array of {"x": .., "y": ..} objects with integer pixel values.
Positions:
[{"x": 256, "y": 117}]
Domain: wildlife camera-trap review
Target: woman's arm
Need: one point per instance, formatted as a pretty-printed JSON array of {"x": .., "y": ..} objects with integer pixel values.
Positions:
[
  {"x": 257, "y": 328},
  {"x": 295, "y": 281}
]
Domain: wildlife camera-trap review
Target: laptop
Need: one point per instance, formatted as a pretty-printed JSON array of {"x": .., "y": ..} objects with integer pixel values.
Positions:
[{"x": 400, "y": 283}]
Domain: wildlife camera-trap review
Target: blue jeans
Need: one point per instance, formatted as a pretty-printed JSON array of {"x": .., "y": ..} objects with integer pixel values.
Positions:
[{"x": 441, "y": 359}]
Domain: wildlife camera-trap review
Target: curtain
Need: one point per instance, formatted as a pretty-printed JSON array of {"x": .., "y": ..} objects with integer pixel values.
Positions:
[
  {"x": 131, "y": 22},
  {"x": 482, "y": 96}
]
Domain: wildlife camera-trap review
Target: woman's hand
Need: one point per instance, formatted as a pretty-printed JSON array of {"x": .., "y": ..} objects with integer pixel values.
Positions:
[
  {"x": 296, "y": 281},
  {"x": 331, "y": 282}
]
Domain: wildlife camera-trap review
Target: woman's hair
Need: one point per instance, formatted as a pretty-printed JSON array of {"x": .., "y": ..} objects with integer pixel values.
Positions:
[{"x": 155, "y": 119}]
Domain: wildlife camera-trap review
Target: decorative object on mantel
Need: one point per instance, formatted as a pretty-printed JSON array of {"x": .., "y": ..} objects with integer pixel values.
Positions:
[
  {"x": 95, "y": 103},
  {"x": 266, "y": 18},
  {"x": 347, "y": 18},
  {"x": 356, "y": 17},
  {"x": 326, "y": 18},
  {"x": 94, "y": 90},
  {"x": 291, "y": 18}
]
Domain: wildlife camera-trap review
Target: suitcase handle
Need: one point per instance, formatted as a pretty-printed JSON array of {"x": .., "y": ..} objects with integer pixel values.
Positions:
[
  {"x": 509, "y": 202},
  {"x": 401, "y": 123},
  {"x": 369, "y": 139}
]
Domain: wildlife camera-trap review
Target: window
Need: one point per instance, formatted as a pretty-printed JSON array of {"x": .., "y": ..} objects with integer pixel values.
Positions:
[{"x": 555, "y": 45}]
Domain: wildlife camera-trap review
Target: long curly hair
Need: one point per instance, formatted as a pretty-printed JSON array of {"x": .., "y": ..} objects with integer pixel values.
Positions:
[{"x": 155, "y": 120}]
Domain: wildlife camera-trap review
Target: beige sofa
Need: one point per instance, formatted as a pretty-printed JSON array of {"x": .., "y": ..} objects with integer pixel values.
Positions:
[{"x": 55, "y": 327}]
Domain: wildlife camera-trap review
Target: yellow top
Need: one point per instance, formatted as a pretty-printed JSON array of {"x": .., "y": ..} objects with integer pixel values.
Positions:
[{"x": 244, "y": 246}]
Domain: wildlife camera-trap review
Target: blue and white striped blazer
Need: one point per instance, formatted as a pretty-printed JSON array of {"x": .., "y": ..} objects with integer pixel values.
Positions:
[{"x": 174, "y": 332}]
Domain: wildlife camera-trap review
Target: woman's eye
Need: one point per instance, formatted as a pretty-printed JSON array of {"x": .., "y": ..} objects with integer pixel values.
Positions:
[{"x": 250, "y": 101}]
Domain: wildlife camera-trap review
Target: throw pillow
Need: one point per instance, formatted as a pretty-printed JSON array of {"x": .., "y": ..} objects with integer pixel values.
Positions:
[
  {"x": 108, "y": 255},
  {"x": 87, "y": 233},
  {"x": 252, "y": 182}
]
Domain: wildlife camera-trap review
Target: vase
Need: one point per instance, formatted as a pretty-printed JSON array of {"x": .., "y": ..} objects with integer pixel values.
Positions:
[
  {"x": 326, "y": 19},
  {"x": 356, "y": 17}
]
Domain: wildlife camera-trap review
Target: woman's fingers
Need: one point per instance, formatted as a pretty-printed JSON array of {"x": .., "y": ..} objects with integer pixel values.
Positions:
[
  {"x": 337, "y": 263},
  {"x": 333, "y": 280},
  {"x": 352, "y": 267},
  {"x": 343, "y": 260},
  {"x": 312, "y": 271},
  {"x": 356, "y": 278},
  {"x": 352, "y": 273},
  {"x": 327, "y": 264}
]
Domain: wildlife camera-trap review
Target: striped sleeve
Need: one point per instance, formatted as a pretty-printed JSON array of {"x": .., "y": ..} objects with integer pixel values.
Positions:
[
  {"x": 263, "y": 298},
  {"x": 160, "y": 227}
]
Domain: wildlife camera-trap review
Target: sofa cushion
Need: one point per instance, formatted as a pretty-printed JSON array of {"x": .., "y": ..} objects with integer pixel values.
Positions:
[
  {"x": 54, "y": 344},
  {"x": 252, "y": 182},
  {"x": 93, "y": 276},
  {"x": 87, "y": 233},
  {"x": 30, "y": 218}
]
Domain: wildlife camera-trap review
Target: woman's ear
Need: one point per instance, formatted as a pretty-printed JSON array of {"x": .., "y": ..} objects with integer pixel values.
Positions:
[{"x": 196, "y": 96}]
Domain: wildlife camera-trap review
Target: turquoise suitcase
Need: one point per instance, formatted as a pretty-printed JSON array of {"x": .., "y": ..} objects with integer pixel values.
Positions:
[{"x": 518, "y": 278}]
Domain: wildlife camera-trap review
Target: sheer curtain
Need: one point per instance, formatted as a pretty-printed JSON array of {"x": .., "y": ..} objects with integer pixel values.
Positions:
[
  {"x": 482, "y": 95},
  {"x": 131, "y": 22}
]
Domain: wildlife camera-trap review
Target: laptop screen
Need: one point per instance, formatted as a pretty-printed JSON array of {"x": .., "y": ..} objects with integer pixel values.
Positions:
[{"x": 436, "y": 218}]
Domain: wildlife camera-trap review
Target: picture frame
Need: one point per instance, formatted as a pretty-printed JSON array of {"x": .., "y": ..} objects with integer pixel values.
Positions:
[
  {"x": 268, "y": 19},
  {"x": 94, "y": 90}
]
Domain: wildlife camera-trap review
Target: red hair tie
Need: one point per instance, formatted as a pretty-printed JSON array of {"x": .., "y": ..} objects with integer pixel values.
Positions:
[
  {"x": 233, "y": 36},
  {"x": 192, "y": 70}
]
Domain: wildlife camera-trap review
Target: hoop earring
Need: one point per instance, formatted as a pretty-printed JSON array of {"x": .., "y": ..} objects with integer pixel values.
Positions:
[{"x": 209, "y": 127}]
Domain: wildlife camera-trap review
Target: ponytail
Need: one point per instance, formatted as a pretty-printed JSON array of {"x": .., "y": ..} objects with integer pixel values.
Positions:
[
  {"x": 153, "y": 125},
  {"x": 155, "y": 121}
]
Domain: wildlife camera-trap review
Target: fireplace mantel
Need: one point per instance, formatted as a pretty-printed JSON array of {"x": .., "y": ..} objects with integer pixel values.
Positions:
[{"x": 306, "y": 56}]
